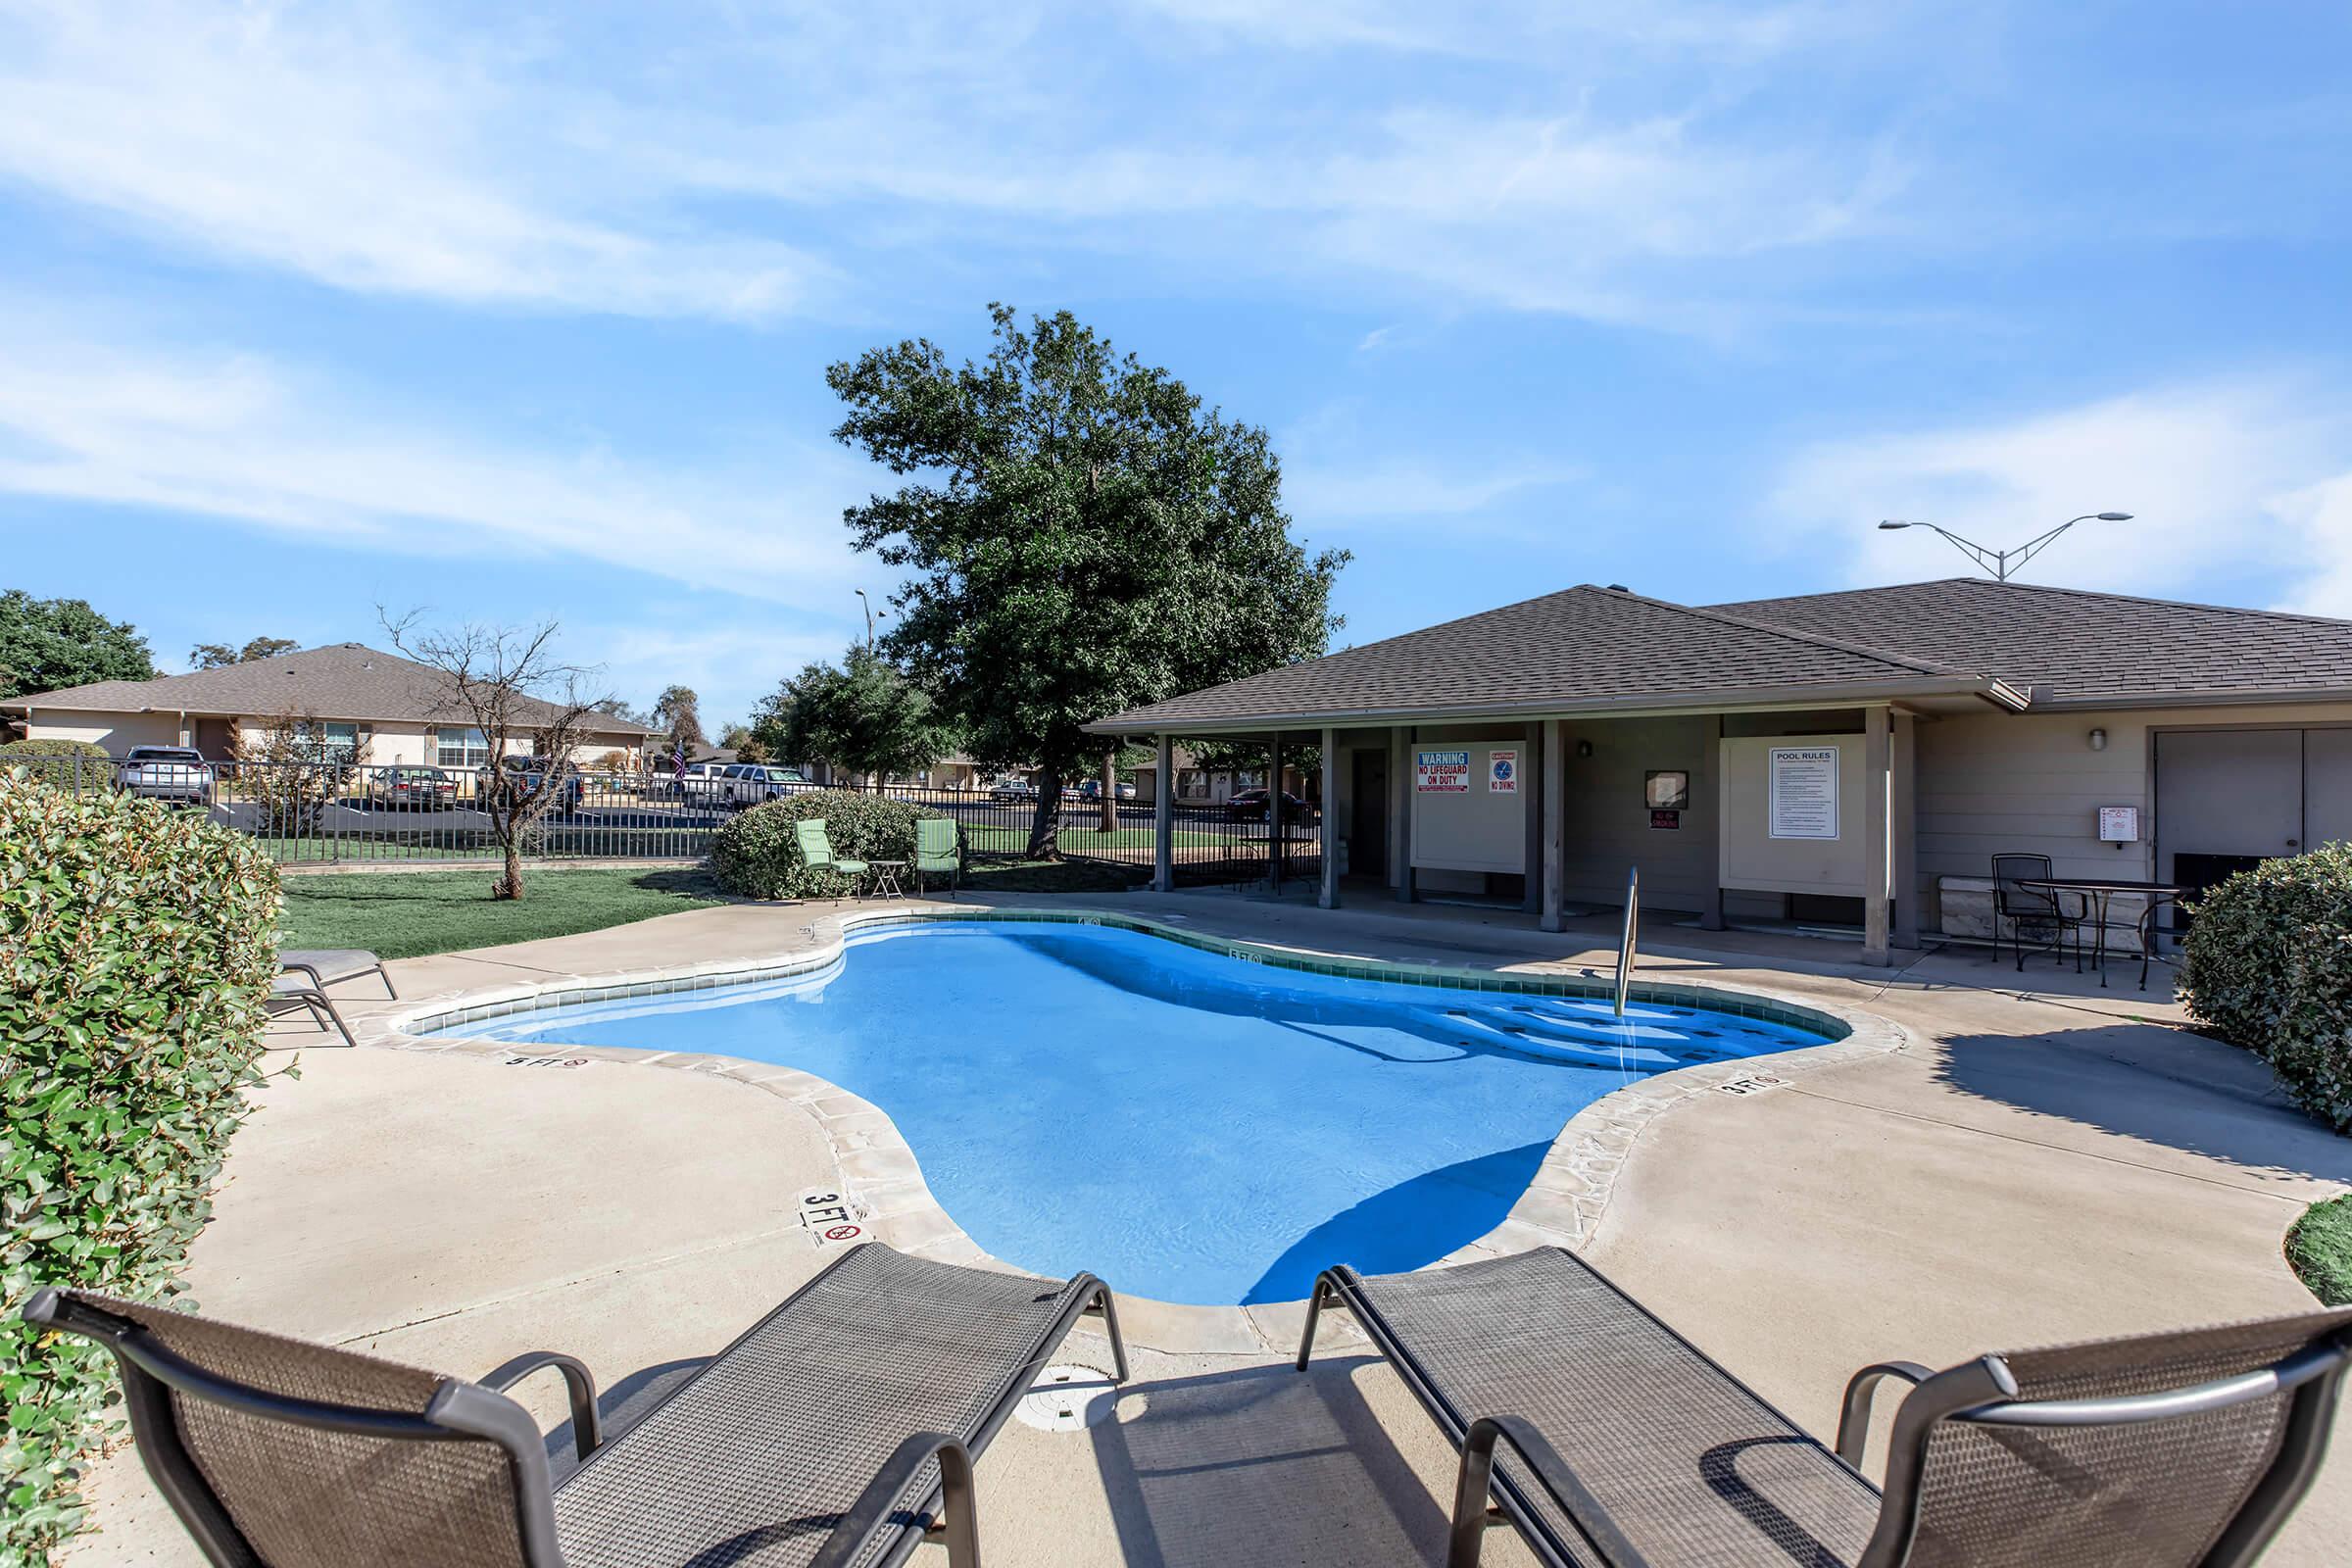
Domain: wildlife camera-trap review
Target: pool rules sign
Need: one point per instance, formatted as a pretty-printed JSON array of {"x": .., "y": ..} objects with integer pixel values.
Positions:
[{"x": 1804, "y": 792}]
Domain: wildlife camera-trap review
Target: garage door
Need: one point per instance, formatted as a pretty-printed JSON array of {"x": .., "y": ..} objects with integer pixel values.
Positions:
[{"x": 2228, "y": 799}]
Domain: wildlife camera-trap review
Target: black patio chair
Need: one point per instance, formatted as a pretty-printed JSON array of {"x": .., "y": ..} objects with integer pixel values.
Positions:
[
  {"x": 839, "y": 1430},
  {"x": 2031, "y": 913},
  {"x": 1623, "y": 1445}
]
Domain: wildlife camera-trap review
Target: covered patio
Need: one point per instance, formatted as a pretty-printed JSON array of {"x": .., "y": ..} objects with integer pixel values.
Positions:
[{"x": 1537, "y": 756}]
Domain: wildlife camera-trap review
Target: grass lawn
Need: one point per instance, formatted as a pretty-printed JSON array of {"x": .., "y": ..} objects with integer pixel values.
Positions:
[
  {"x": 2320, "y": 1247},
  {"x": 407, "y": 915}
]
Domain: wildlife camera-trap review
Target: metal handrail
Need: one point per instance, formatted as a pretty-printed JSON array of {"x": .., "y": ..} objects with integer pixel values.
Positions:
[{"x": 1625, "y": 941}]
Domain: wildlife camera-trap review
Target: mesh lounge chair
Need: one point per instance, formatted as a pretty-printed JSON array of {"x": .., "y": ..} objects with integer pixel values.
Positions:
[
  {"x": 1626, "y": 1446},
  {"x": 818, "y": 850},
  {"x": 322, "y": 968},
  {"x": 2033, "y": 914},
  {"x": 827, "y": 1436},
  {"x": 935, "y": 849}
]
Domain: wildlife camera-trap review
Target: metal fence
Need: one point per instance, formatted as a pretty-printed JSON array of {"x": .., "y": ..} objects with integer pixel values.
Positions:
[{"x": 309, "y": 813}]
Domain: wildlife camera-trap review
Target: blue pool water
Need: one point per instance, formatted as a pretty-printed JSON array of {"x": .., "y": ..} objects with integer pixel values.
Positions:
[{"x": 1189, "y": 1126}]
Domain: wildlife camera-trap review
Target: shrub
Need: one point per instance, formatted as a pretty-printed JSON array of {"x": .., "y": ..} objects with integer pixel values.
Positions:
[
  {"x": 759, "y": 855},
  {"x": 2268, "y": 965},
  {"x": 137, "y": 946},
  {"x": 61, "y": 762}
]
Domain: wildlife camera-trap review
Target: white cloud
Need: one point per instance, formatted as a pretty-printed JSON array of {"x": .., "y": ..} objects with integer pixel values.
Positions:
[
  {"x": 2243, "y": 476},
  {"x": 246, "y": 439},
  {"x": 1335, "y": 494},
  {"x": 660, "y": 174},
  {"x": 339, "y": 153}
]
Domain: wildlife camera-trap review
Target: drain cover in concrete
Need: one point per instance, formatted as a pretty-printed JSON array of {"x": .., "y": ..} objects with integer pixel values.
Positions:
[{"x": 1068, "y": 1397}]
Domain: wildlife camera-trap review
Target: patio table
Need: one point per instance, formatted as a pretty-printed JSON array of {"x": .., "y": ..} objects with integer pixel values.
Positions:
[
  {"x": 2096, "y": 891},
  {"x": 886, "y": 878}
]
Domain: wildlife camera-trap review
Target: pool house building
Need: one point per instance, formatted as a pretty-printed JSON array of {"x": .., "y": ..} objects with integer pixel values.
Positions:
[{"x": 1842, "y": 760}]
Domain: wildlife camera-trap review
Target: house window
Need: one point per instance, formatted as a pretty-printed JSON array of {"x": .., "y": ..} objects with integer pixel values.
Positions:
[
  {"x": 332, "y": 742},
  {"x": 1192, "y": 784},
  {"x": 461, "y": 748}
]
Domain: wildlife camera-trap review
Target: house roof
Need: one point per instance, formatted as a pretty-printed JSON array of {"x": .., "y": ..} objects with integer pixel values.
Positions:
[
  {"x": 2071, "y": 647},
  {"x": 1583, "y": 649},
  {"x": 340, "y": 681}
]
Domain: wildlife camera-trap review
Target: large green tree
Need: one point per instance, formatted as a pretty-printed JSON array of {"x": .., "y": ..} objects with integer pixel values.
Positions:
[
  {"x": 1080, "y": 536},
  {"x": 863, "y": 716},
  {"x": 217, "y": 655},
  {"x": 49, "y": 644}
]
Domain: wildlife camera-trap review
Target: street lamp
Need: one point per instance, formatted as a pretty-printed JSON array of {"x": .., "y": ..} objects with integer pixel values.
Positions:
[
  {"x": 871, "y": 613},
  {"x": 2001, "y": 562}
]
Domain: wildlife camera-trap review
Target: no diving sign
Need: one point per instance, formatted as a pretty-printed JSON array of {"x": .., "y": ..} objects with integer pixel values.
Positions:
[{"x": 830, "y": 1220}]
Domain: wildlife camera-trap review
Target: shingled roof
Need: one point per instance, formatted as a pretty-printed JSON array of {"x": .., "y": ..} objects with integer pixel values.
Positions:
[
  {"x": 1584, "y": 648},
  {"x": 341, "y": 681},
  {"x": 2073, "y": 647}
]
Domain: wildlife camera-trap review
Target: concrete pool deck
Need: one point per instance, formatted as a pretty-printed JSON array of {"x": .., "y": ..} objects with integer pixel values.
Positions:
[{"x": 2031, "y": 1167}]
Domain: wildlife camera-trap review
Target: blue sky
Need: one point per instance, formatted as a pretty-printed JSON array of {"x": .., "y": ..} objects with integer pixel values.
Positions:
[{"x": 512, "y": 312}]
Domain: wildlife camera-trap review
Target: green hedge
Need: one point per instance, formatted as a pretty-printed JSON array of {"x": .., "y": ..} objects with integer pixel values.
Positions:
[
  {"x": 2268, "y": 965},
  {"x": 759, "y": 855},
  {"x": 137, "y": 946},
  {"x": 61, "y": 762}
]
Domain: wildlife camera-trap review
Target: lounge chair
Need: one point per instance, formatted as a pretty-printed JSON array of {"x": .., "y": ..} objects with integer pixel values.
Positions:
[
  {"x": 935, "y": 849},
  {"x": 1626, "y": 1447},
  {"x": 323, "y": 966},
  {"x": 818, "y": 850},
  {"x": 827, "y": 1436}
]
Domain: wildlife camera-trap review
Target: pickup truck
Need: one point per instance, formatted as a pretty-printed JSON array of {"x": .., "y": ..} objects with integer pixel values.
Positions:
[
  {"x": 178, "y": 775},
  {"x": 747, "y": 784}
]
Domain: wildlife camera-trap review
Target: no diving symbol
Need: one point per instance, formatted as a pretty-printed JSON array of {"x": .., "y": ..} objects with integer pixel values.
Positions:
[{"x": 843, "y": 1233}]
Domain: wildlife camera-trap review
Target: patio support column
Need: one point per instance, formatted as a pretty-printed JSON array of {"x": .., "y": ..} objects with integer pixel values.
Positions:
[
  {"x": 1706, "y": 814},
  {"x": 1276, "y": 827},
  {"x": 1327, "y": 894},
  {"x": 1552, "y": 779},
  {"x": 1400, "y": 811},
  {"x": 1875, "y": 754},
  {"x": 1163, "y": 819},
  {"x": 1531, "y": 853},
  {"x": 1903, "y": 831}
]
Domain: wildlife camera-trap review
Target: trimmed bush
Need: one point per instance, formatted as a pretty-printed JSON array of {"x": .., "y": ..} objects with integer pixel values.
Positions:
[
  {"x": 759, "y": 855},
  {"x": 2268, "y": 965},
  {"x": 137, "y": 946},
  {"x": 61, "y": 762}
]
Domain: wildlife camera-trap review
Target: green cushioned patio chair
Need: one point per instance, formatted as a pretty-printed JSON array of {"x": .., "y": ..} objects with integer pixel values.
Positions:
[
  {"x": 935, "y": 849},
  {"x": 817, "y": 850}
]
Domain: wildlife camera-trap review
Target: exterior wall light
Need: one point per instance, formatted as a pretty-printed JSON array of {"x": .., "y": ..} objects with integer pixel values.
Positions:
[
  {"x": 2098, "y": 740},
  {"x": 1584, "y": 747}
]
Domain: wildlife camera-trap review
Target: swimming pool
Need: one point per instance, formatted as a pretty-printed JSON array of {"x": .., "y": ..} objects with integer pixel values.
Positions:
[{"x": 1190, "y": 1126}]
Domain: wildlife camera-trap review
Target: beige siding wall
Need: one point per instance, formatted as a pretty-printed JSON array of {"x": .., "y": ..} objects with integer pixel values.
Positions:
[
  {"x": 2031, "y": 782},
  {"x": 1607, "y": 817},
  {"x": 117, "y": 732},
  {"x": 389, "y": 741}
]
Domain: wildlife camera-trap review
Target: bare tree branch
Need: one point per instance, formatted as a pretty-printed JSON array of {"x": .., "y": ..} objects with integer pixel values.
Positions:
[{"x": 507, "y": 682}]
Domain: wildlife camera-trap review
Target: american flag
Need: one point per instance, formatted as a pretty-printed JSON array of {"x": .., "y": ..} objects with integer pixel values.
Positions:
[{"x": 677, "y": 755}]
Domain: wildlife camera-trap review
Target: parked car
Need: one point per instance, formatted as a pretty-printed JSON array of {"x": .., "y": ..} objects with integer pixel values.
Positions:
[
  {"x": 1091, "y": 790},
  {"x": 429, "y": 788},
  {"x": 747, "y": 784},
  {"x": 1250, "y": 806},
  {"x": 178, "y": 775},
  {"x": 531, "y": 774},
  {"x": 1012, "y": 789}
]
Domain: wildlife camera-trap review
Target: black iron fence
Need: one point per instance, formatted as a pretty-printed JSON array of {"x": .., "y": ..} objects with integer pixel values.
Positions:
[{"x": 307, "y": 812}]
